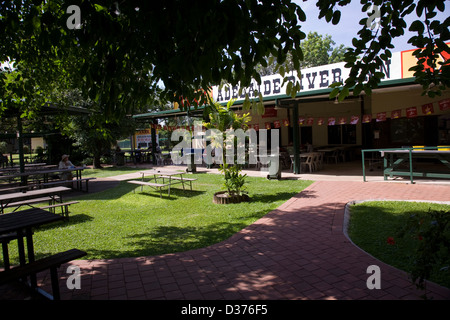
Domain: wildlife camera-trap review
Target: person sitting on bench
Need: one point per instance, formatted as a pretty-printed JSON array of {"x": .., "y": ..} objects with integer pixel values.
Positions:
[{"x": 65, "y": 163}]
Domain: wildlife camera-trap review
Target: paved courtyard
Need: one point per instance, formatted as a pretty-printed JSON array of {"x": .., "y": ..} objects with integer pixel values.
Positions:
[{"x": 298, "y": 251}]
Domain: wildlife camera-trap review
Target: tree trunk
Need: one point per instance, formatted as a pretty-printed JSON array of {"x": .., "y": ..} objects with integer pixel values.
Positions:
[{"x": 97, "y": 163}]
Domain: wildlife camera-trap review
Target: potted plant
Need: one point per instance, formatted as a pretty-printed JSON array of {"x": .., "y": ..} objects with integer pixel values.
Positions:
[{"x": 223, "y": 118}]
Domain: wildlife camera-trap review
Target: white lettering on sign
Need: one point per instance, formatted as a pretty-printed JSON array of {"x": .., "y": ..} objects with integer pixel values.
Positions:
[{"x": 314, "y": 78}]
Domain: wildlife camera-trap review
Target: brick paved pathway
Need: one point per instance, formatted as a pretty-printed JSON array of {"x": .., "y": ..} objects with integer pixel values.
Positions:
[{"x": 298, "y": 251}]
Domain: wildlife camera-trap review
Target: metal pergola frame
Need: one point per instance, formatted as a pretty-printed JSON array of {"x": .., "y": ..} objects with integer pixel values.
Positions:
[{"x": 46, "y": 110}]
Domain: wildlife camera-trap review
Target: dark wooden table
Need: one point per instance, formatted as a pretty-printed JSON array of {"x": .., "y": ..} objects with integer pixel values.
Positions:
[
  {"x": 45, "y": 174},
  {"x": 51, "y": 193},
  {"x": 22, "y": 223}
]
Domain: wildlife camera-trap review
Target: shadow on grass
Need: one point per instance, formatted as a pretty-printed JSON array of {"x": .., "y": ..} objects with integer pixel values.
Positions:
[
  {"x": 72, "y": 220},
  {"x": 174, "y": 194},
  {"x": 269, "y": 198},
  {"x": 171, "y": 239}
]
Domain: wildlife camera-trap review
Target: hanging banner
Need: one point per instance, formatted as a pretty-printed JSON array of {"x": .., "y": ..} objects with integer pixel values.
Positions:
[
  {"x": 286, "y": 122},
  {"x": 427, "y": 109},
  {"x": 342, "y": 120},
  {"x": 367, "y": 118},
  {"x": 331, "y": 121},
  {"x": 411, "y": 112},
  {"x": 310, "y": 121},
  {"x": 267, "y": 125},
  {"x": 354, "y": 120},
  {"x": 381, "y": 116},
  {"x": 444, "y": 104},
  {"x": 276, "y": 124},
  {"x": 301, "y": 121},
  {"x": 396, "y": 114},
  {"x": 320, "y": 121},
  {"x": 270, "y": 113}
]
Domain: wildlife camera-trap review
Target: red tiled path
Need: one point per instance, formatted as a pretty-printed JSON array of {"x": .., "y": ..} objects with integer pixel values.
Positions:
[{"x": 297, "y": 251}]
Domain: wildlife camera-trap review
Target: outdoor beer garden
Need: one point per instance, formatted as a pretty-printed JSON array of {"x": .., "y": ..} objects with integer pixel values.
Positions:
[{"x": 287, "y": 184}]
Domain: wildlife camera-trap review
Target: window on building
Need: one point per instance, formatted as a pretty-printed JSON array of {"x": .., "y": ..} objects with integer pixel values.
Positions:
[{"x": 342, "y": 134}]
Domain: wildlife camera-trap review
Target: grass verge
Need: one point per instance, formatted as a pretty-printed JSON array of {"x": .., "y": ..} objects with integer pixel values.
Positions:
[{"x": 375, "y": 227}]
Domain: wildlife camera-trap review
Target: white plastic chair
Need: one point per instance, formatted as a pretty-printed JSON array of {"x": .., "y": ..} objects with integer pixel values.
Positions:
[{"x": 309, "y": 162}]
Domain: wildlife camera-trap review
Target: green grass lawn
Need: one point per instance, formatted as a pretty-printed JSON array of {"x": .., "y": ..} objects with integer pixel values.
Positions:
[
  {"x": 120, "y": 223},
  {"x": 109, "y": 171},
  {"x": 372, "y": 223}
]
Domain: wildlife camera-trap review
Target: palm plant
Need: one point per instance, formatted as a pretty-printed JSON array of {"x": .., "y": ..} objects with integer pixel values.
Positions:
[{"x": 222, "y": 118}]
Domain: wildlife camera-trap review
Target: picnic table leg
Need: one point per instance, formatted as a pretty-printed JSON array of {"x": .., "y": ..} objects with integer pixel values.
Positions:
[
  {"x": 182, "y": 181},
  {"x": 79, "y": 182},
  {"x": 55, "y": 283},
  {"x": 170, "y": 183},
  {"x": 3, "y": 205},
  {"x": 21, "y": 247},
  {"x": 31, "y": 257},
  {"x": 5, "y": 255}
]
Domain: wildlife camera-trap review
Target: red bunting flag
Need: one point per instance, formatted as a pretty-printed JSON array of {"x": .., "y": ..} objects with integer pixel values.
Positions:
[
  {"x": 381, "y": 116},
  {"x": 396, "y": 114},
  {"x": 367, "y": 118},
  {"x": 444, "y": 104},
  {"x": 268, "y": 125},
  {"x": 331, "y": 121},
  {"x": 310, "y": 121},
  {"x": 276, "y": 124},
  {"x": 354, "y": 120},
  {"x": 411, "y": 112},
  {"x": 428, "y": 109},
  {"x": 320, "y": 121},
  {"x": 256, "y": 127},
  {"x": 301, "y": 120},
  {"x": 342, "y": 120},
  {"x": 286, "y": 122}
]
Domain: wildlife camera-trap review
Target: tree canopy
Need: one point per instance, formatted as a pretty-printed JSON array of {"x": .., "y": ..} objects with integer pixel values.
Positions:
[
  {"x": 317, "y": 50},
  {"x": 373, "y": 44},
  {"x": 123, "y": 51}
]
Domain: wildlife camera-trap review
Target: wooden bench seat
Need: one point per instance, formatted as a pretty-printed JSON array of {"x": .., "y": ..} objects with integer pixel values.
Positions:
[
  {"x": 178, "y": 178},
  {"x": 52, "y": 262},
  {"x": 32, "y": 201},
  {"x": 182, "y": 180},
  {"x": 150, "y": 184},
  {"x": 63, "y": 205},
  {"x": 15, "y": 189},
  {"x": 67, "y": 182}
]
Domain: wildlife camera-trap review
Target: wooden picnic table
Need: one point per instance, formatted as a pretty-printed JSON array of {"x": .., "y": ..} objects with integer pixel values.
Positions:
[
  {"x": 28, "y": 167},
  {"x": 22, "y": 223},
  {"x": 173, "y": 177},
  {"x": 52, "y": 194},
  {"x": 46, "y": 174},
  {"x": 19, "y": 226},
  {"x": 168, "y": 177}
]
